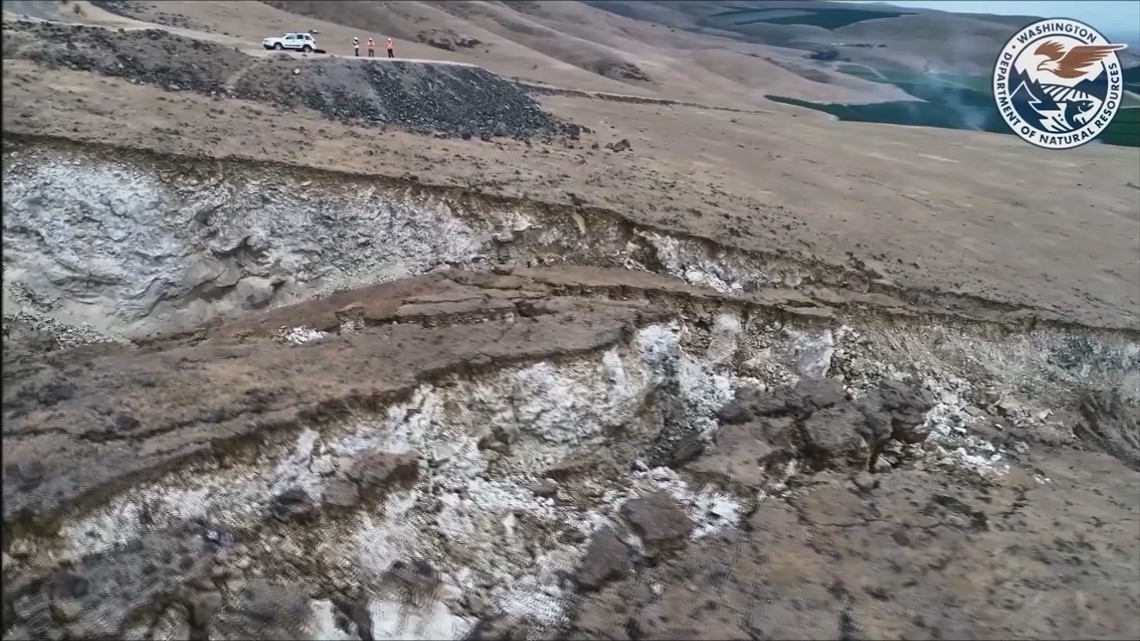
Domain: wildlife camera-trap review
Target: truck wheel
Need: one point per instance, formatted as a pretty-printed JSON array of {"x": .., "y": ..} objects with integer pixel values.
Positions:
[
  {"x": 307, "y": 49},
  {"x": 277, "y": 46}
]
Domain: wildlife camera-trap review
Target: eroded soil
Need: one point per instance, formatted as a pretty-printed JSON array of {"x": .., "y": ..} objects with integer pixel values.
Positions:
[
  {"x": 669, "y": 371},
  {"x": 974, "y": 215},
  {"x": 150, "y": 491}
]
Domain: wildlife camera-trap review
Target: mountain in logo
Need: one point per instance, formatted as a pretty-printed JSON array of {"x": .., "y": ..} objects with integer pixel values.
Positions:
[
  {"x": 1097, "y": 87},
  {"x": 1029, "y": 98}
]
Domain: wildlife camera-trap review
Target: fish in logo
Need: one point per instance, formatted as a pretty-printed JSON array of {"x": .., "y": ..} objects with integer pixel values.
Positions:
[{"x": 1057, "y": 83}]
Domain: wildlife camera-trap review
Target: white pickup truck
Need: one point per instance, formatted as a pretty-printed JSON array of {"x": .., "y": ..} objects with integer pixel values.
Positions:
[{"x": 294, "y": 41}]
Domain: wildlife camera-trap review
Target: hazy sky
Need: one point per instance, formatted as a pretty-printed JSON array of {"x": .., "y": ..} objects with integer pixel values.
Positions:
[{"x": 1108, "y": 16}]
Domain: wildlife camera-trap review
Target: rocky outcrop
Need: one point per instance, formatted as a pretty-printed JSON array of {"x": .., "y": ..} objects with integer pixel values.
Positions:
[
  {"x": 899, "y": 555},
  {"x": 658, "y": 521},
  {"x": 815, "y": 421}
]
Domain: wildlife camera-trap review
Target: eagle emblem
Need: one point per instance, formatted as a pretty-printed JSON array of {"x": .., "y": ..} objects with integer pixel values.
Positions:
[
  {"x": 1076, "y": 62},
  {"x": 1057, "y": 83}
]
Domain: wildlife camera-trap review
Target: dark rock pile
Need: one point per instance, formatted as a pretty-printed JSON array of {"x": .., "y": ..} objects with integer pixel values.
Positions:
[
  {"x": 815, "y": 422},
  {"x": 620, "y": 71},
  {"x": 97, "y": 598},
  {"x": 150, "y": 56},
  {"x": 427, "y": 98},
  {"x": 844, "y": 552},
  {"x": 432, "y": 99}
]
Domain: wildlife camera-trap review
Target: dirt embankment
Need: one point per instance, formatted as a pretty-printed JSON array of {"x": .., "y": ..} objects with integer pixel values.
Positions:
[
  {"x": 370, "y": 408},
  {"x": 149, "y": 12},
  {"x": 559, "y": 452},
  {"x": 442, "y": 99},
  {"x": 238, "y": 236},
  {"x": 762, "y": 183},
  {"x": 524, "y": 447}
]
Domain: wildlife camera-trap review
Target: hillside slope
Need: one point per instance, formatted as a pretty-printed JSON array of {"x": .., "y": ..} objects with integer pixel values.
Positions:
[
  {"x": 728, "y": 54},
  {"x": 879, "y": 34},
  {"x": 566, "y": 43}
]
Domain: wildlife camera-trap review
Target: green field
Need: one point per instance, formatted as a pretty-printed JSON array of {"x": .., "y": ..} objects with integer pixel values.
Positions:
[
  {"x": 1124, "y": 130},
  {"x": 809, "y": 16},
  {"x": 954, "y": 101},
  {"x": 904, "y": 78},
  {"x": 912, "y": 77},
  {"x": 1131, "y": 78}
]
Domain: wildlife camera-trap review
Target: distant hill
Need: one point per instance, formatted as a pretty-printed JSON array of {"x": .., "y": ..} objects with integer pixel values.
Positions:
[
  {"x": 557, "y": 41},
  {"x": 880, "y": 35},
  {"x": 726, "y": 53}
]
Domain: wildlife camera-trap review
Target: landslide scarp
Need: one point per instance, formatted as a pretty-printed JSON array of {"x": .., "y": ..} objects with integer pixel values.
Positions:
[{"x": 249, "y": 400}]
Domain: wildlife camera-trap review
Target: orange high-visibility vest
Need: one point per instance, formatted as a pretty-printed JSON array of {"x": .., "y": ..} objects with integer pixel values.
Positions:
[
  {"x": 371, "y": 45},
  {"x": 389, "y": 44}
]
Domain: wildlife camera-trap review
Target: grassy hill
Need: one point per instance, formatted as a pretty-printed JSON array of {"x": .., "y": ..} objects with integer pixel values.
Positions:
[
  {"x": 870, "y": 62},
  {"x": 875, "y": 34},
  {"x": 563, "y": 42}
]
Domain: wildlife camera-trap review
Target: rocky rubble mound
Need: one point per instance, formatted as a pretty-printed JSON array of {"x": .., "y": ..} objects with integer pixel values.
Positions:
[
  {"x": 150, "y": 56},
  {"x": 846, "y": 553},
  {"x": 816, "y": 422},
  {"x": 452, "y": 100}
]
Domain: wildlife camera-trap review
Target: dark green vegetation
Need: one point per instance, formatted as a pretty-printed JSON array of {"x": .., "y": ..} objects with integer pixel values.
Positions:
[
  {"x": 953, "y": 101},
  {"x": 827, "y": 18},
  {"x": 1124, "y": 130},
  {"x": 907, "y": 112},
  {"x": 913, "y": 78},
  {"x": 1132, "y": 79}
]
